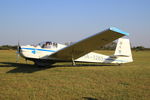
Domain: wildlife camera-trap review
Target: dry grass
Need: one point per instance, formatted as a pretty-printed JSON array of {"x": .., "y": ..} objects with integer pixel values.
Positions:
[{"x": 25, "y": 81}]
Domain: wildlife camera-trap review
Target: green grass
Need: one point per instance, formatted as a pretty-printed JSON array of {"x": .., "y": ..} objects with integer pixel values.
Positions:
[{"x": 26, "y": 82}]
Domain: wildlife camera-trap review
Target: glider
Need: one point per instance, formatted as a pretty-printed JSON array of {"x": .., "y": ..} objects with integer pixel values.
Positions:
[{"x": 47, "y": 53}]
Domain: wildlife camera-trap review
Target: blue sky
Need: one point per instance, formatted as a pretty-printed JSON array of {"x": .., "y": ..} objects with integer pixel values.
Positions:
[{"x": 33, "y": 21}]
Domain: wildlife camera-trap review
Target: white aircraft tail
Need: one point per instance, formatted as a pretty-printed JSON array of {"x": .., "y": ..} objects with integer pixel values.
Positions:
[{"x": 123, "y": 50}]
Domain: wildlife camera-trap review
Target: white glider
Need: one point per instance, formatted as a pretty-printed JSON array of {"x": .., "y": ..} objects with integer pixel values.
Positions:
[{"x": 47, "y": 53}]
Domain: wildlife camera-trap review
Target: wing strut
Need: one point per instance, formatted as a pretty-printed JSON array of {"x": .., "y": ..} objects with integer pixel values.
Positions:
[{"x": 73, "y": 62}]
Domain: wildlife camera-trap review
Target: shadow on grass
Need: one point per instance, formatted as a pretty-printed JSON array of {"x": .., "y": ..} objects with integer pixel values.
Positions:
[
  {"x": 22, "y": 68},
  {"x": 28, "y": 68},
  {"x": 91, "y": 98}
]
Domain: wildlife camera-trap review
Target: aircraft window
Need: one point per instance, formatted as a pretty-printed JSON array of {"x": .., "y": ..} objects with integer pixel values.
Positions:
[
  {"x": 48, "y": 44},
  {"x": 45, "y": 44},
  {"x": 55, "y": 45}
]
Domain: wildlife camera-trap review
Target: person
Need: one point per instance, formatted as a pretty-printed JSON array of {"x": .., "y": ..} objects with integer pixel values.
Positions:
[
  {"x": 55, "y": 45},
  {"x": 48, "y": 45}
]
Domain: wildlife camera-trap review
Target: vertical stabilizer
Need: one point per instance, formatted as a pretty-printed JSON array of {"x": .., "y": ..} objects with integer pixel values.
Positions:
[{"x": 123, "y": 49}]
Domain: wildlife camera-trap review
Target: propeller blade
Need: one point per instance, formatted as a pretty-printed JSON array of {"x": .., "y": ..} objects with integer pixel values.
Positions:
[
  {"x": 18, "y": 52},
  {"x": 17, "y": 57}
]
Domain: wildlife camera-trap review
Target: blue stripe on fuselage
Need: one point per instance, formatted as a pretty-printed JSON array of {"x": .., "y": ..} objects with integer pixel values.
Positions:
[{"x": 39, "y": 49}]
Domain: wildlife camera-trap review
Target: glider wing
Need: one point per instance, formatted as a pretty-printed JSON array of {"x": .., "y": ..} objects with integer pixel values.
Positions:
[{"x": 89, "y": 44}]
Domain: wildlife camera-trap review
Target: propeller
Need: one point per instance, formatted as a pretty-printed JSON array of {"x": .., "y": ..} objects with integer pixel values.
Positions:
[{"x": 18, "y": 52}]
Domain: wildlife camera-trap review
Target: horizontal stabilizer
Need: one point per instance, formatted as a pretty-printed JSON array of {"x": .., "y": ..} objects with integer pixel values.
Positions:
[{"x": 116, "y": 56}]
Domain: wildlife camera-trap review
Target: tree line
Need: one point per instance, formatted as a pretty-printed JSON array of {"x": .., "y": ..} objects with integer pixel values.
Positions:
[{"x": 8, "y": 47}]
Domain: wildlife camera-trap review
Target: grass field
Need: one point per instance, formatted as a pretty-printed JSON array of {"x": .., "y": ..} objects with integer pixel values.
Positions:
[{"x": 63, "y": 82}]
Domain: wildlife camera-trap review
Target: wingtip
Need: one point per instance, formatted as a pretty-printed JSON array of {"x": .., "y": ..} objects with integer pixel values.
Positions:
[{"x": 119, "y": 31}]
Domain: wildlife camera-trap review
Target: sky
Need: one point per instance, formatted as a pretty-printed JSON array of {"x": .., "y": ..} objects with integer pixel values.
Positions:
[{"x": 33, "y": 21}]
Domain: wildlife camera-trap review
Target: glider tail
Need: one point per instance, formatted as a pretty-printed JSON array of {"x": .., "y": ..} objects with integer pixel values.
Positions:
[{"x": 123, "y": 50}]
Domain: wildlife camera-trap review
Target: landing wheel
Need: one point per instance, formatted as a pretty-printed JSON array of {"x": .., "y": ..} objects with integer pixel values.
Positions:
[{"x": 119, "y": 64}]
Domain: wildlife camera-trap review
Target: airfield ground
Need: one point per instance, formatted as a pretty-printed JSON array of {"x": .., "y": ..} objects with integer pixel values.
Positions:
[{"x": 26, "y": 82}]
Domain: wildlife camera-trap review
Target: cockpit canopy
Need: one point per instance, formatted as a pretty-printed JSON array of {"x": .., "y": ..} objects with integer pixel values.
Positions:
[{"x": 48, "y": 44}]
